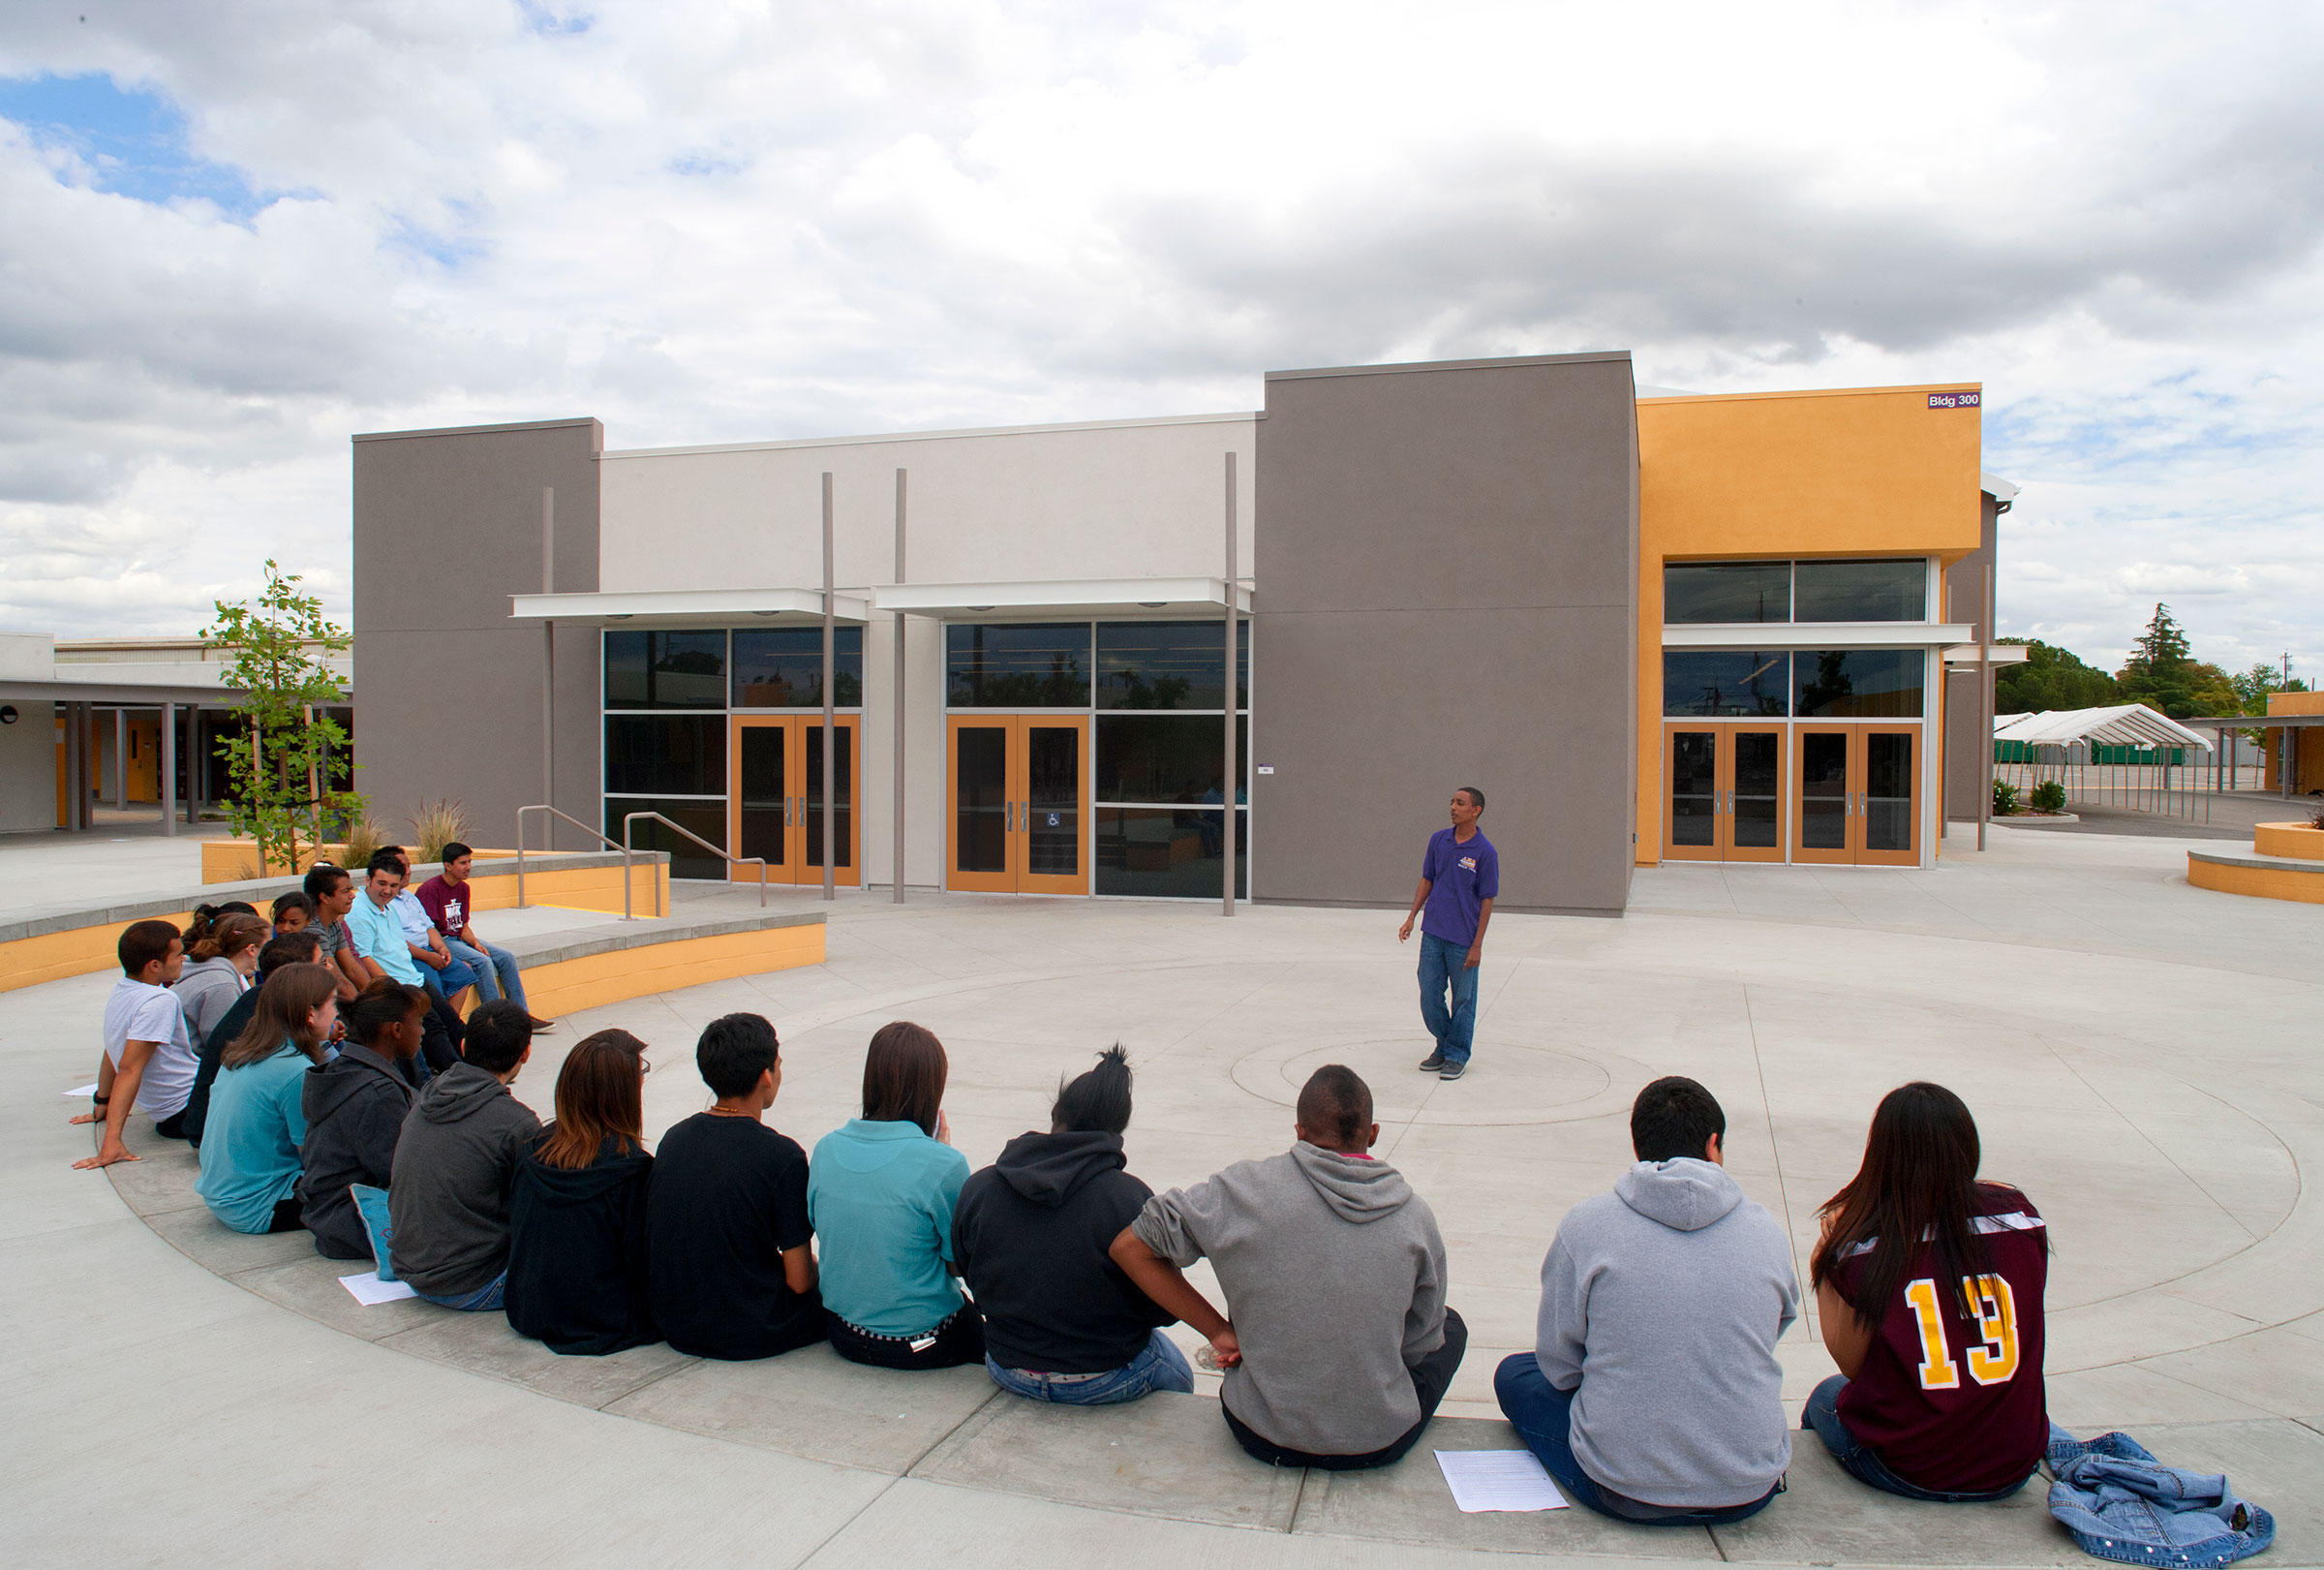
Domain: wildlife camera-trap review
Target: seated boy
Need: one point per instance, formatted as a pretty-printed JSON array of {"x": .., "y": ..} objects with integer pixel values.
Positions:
[
  {"x": 446, "y": 898},
  {"x": 447, "y": 1197},
  {"x": 729, "y": 1262},
  {"x": 1341, "y": 1346},
  {"x": 1654, "y": 1393},
  {"x": 355, "y": 1106},
  {"x": 376, "y": 922},
  {"x": 148, "y": 1060},
  {"x": 330, "y": 895}
]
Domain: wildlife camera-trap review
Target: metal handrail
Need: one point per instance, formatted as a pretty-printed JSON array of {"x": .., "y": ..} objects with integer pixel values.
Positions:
[
  {"x": 731, "y": 861},
  {"x": 544, "y": 807}
]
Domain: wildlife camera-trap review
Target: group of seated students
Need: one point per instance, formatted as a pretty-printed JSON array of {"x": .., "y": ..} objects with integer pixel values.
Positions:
[{"x": 1653, "y": 1393}]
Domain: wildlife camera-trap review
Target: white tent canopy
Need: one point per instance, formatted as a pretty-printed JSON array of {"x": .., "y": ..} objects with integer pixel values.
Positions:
[{"x": 2120, "y": 725}]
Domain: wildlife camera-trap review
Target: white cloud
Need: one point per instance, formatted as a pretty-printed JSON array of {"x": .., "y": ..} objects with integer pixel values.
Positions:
[{"x": 719, "y": 221}]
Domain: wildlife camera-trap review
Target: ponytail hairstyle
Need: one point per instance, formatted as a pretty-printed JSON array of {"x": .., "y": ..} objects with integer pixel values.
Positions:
[
  {"x": 1917, "y": 1186},
  {"x": 287, "y": 1004},
  {"x": 223, "y": 935},
  {"x": 200, "y": 928},
  {"x": 601, "y": 1095},
  {"x": 385, "y": 1002},
  {"x": 1097, "y": 1101}
]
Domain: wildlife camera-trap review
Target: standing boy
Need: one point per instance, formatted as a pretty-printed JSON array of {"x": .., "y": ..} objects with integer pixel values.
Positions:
[{"x": 1460, "y": 874}]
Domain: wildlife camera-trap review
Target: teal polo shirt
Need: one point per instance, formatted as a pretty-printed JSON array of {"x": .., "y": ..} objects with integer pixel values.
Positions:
[
  {"x": 379, "y": 937},
  {"x": 250, "y": 1145},
  {"x": 879, "y": 1196}
]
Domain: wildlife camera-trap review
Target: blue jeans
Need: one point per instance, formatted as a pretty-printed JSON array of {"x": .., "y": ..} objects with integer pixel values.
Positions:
[
  {"x": 1160, "y": 1366},
  {"x": 1544, "y": 1417},
  {"x": 1823, "y": 1416},
  {"x": 494, "y": 969},
  {"x": 1444, "y": 966},
  {"x": 445, "y": 984}
]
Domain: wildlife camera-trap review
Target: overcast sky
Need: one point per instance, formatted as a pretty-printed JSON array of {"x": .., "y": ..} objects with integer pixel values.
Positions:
[{"x": 234, "y": 232}]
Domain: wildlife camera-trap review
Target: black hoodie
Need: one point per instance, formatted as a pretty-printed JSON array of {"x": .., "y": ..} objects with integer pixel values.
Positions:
[
  {"x": 1030, "y": 1234},
  {"x": 577, "y": 1277},
  {"x": 354, "y": 1107}
]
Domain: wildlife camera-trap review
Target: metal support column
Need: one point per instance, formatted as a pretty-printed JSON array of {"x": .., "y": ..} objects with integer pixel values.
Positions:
[
  {"x": 1227, "y": 782},
  {"x": 548, "y": 665},
  {"x": 831, "y": 815},
  {"x": 1985, "y": 704},
  {"x": 198, "y": 765},
  {"x": 120, "y": 757},
  {"x": 169, "y": 768},
  {"x": 900, "y": 686},
  {"x": 75, "y": 744}
]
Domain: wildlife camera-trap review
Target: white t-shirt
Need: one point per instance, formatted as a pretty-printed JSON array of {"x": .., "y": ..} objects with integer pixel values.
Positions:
[{"x": 136, "y": 1011}]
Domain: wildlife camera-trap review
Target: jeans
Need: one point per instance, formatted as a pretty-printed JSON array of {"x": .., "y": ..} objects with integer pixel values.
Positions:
[
  {"x": 1544, "y": 1417},
  {"x": 1431, "y": 1377},
  {"x": 494, "y": 969},
  {"x": 959, "y": 1340},
  {"x": 447, "y": 982},
  {"x": 1446, "y": 965},
  {"x": 484, "y": 1298},
  {"x": 1823, "y": 1416},
  {"x": 1160, "y": 1366}
]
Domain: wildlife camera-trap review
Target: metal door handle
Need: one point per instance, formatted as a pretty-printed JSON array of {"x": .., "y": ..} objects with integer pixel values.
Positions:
[{"x": 1008, "y": 814}]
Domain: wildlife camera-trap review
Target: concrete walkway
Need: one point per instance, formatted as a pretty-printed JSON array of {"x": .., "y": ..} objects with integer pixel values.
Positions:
[{"x": 2140, "y": 1056}]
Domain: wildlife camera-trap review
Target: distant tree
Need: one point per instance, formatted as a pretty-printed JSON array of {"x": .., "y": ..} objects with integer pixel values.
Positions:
[
  {"x": 285, "y": 739},
  {"x": 2162, "y": 671},
  {"x": 2253, "y": 687},
  {"x": 2050, "y": 678}
]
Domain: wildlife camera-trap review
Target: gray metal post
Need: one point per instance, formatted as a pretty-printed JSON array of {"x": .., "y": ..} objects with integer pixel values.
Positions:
[
  {"x": 120, "y": 757},
  {"x": 169, "y": 768},
  {"x": 73, "y": 747},
  {"x": 1226, "y": 780},
  {"x": 900, "y": 728},
  {"x": 831, "y": 814},
  {"x": 548, "y": 665},
  {"x": 198, "y": 765},
  {"x": 1985, "y": 703}
]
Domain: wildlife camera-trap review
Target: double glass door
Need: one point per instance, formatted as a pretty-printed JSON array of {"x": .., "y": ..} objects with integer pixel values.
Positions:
[
  {"x": 1019, "y": 794},
  {"x": 1724, "y": 793},
  {"x": 775, "y": 798},
  {"x": 1856, "y": 802}
]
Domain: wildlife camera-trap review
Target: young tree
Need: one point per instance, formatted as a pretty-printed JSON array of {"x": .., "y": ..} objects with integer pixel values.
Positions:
[{"x": 278, "y": 759}]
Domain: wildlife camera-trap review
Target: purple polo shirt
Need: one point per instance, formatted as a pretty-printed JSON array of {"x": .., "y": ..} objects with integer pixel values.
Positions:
[{"x": 1461, "y": 878}]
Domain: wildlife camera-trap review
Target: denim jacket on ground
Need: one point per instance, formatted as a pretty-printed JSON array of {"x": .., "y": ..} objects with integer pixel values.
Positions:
[{"x": 2121, "y": 1503}]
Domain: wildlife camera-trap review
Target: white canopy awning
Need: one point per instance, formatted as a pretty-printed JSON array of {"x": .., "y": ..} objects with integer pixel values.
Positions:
[{"x": 2120, "y": 725}]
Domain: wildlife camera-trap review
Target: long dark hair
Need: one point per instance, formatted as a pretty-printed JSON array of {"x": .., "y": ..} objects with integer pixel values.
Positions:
[
  {"x": 286, "y": 1003},
  {"x": 904, "y": 1071},
  {"x": 601, "y": 1095},
  {"x": 1918, "y": 1185},
  {"x": 386, "y": 1001},
  {"x": 227, "y": 933},
  {"x": 1095, "y": 1103}
]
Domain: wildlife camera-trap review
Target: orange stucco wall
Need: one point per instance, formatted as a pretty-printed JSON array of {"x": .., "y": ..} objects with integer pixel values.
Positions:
[
  {"x": 1863, "y": 471},
  {"x": 2308, "y": 761}
]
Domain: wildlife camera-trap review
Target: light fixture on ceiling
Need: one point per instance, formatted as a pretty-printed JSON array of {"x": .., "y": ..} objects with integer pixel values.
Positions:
[
  {"x": 766, "y": 613},
  {"x": 980, "y": 608},
  {"x": 619, "y": 615},
  {"x": 1153, "y": 605}
]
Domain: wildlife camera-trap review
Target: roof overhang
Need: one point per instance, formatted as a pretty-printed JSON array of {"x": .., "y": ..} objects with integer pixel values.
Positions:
[
  {"x": 1993, "y": 654},
  {"x": 139, "y": 684},
  {"x": 677, "y": 607},
  {"x": 2257, "y": 721},
  {"x": 1070, "y": 597},
  {"x": 1994, "y": 487},
  {"x": 1814, "y": 634}
]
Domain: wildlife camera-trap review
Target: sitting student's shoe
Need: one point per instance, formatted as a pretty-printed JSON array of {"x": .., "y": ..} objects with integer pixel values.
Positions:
[
  {"x": 1452, "y": 1070},
  {"x": 1434, "y": 1061},
  {"x": 542, "y": 1026}
]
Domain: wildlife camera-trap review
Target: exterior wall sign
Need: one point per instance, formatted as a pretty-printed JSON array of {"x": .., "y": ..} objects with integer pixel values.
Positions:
[{"x": 1953, "y": 400}]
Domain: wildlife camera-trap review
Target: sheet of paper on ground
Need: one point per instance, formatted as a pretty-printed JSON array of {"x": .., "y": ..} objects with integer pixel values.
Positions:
[
  {"x": 1498, "y": 1480},
  {"x": 366, "y": 1288}
]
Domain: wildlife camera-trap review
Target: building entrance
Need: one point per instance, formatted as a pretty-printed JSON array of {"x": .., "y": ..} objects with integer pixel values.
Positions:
[
  {"x": 1856, "y": 801},
  {"x": 1724, "y": 793},
  {"x": 775, "y": 798},
  {"x": 1017, "y": 793}
]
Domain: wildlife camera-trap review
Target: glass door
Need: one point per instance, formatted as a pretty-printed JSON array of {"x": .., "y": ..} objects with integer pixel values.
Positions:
[
  {"x": 1691, "y": 812},
  {"x": 1020, "y": 797},
  {"x": 1724, "y": 800},
  {"x": 1753, "y": 826},
  {"x": 1859, "y": 799},
  {"x": 1824, "y": 808},
  {"x": 1887, "y": 807},
  {"x": 776, "y": 792}
]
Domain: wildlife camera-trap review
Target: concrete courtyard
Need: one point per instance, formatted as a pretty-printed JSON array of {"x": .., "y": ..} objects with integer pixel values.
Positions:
[{"x": 2142, "y": 1058}]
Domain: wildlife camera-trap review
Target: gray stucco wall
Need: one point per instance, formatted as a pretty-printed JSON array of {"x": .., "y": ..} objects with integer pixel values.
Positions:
[
  {"x": 28, "y": 766},
  {"x": 1965, "y": 602},
  {"x": 1447, "y": 595},
  {"x": 447, "y": 527}
]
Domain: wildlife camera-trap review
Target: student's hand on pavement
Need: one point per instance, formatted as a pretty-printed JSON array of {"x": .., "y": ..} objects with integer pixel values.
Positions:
[
  {"x": 106, "y": 1155},
  {"x": 90, "y": 1116},
  {"x": 1225, "y": 1348}
]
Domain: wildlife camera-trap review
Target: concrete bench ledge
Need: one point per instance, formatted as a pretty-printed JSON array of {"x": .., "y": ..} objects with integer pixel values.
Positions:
[{"x": 1167, "y": 1457}]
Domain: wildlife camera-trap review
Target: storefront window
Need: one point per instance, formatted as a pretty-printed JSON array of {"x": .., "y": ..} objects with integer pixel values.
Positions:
[
  {"x": 1168, "y": 665},
  {"x": 707, "y": 818},
  {"x": 1040, "y": 665},
  {"x": 1892, "y": 591},
  {"x": 1168, "y": 854},
  {"x": 679, "y": 754},
  {"x": 1858, "y": 684},
  {"x": 1733, "y": 682},
  {"x": 1166, "y": 758},
  {"x": 1696, "y": 592},
  {"x": 665, "y": 670},
  {"x": 782, "y": 667}
]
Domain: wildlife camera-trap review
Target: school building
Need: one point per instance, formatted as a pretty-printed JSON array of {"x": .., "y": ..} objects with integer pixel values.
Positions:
[{"x": 1649, "y": 627}]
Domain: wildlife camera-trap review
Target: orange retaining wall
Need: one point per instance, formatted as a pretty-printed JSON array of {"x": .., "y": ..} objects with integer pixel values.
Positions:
[
  {"x": 566, "y": 985},
  {"x": 2295, "y": 840},
  {"x": 2297, "y": 884},
  {"x": 52, "y": 956}
]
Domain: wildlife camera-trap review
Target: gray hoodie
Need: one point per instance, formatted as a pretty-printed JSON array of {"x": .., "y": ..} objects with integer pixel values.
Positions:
[
  {"x": 1334, "y": 1277},
  {"x": 206, "y": 989},
  {"x": 1663, "y": 1301},
  {"x": 447, "y": 1200}
]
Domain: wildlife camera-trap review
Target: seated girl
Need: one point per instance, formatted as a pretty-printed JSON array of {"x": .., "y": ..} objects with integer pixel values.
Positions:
[
  {"x": 880, "y": 1193},
  {"x": 577, "y": 1276},
  {"x": 1928, "y": 1289},
  {"x": 1062, "y": 1323},
  {"x": 249, "y": 1164}
]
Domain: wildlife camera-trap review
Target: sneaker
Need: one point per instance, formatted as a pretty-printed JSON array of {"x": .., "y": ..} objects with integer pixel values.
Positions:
[
  {"x": 1434, "y": 1061},
  {"x": 542, "y": 1026},
  {"x": 1452, "y": 1070}
]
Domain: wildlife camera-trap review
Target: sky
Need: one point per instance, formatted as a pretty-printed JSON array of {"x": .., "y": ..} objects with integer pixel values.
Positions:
[{"x": 233, "y": 233}]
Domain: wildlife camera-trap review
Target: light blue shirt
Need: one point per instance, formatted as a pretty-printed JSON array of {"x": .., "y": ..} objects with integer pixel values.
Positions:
[
  {"x": 379, "y": 938},
  {"x": 249, "y": 1146},
  {"x": 880, "y": 1198}
]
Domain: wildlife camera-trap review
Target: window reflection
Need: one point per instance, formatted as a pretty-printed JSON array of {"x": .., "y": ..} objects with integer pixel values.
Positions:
[
  {"x": 1166, "y": 757},
  {"x": 1886, "y": 590},
  {"x": 782, "y": 667},
  {"x": 665, "y": 670},
  {"x": 1727, "y": 592},
  {"x": 1701, "y": 682},
  {"x": 1858, "y": 684},
  {"x": 992, "y": 666}
]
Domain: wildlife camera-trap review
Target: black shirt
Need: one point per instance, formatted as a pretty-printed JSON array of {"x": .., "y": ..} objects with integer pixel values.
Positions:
[
  {"x": 577, "y": 1251},
  {"x": 729, "y": 1196}
]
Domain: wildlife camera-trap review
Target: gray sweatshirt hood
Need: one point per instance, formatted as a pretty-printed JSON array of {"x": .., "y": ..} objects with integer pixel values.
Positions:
[
  {"x": 1357, "y": 1187},
  {"x": 1684, "y": 1194},
  {"x": 459, "y": 1093}
]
